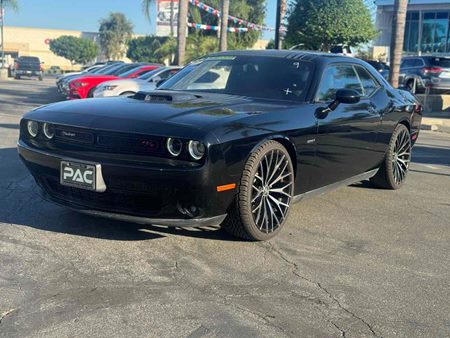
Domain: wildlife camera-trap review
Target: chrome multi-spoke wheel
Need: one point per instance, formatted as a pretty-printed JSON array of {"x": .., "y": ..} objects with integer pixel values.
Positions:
[
  {"x": 265, "y": 194},
  {"x": 401, "y": 156},
  {"x": 272, "y": 190},
  {"x": 393, "y": 170}
]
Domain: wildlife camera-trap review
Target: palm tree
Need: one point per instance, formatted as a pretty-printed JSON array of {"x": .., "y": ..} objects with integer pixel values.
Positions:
[
  {"x": 3, "y": 4},
  {"x": 181, "y": 27},
  {"x": 225, "y": 7},
  {"x": 281, "y": 12},
  {"x": 398, "y": 31}
]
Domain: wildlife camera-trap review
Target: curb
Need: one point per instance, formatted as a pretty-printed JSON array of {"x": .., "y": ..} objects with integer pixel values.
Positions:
[{"x": 436, "y": 124}]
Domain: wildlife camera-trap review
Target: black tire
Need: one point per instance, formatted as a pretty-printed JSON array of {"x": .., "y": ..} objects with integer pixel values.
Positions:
[
  {"x": 91, "y": 93},
  {"x": 394, "y": 169},
  {"x": 41, "y": 78},
  {"x": 243, "y": 215},
  {"x": 17, "y": 77}
]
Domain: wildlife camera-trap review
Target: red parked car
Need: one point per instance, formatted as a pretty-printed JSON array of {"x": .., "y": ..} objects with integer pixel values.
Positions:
[{"x": 83, "y": 87}]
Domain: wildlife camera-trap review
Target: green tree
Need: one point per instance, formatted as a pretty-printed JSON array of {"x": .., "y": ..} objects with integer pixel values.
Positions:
[
  {"x": 271, "y": 44},
  {"x": 320, "y": 24},
  {"x": 115, "y": 32},
  {"x": 251, "y": 10},
  {"x": 74, "y": 49},
  {"x": 198, "y": 45},
  {"x": 151, "y": 49},
  {"x": 13, "y": 4}
]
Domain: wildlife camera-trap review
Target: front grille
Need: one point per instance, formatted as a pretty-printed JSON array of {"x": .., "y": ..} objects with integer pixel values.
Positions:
[
  {"x": 73, "y": 136},
  {"x": 74, "y": 139},
  {"x": 148, "y": 204}
]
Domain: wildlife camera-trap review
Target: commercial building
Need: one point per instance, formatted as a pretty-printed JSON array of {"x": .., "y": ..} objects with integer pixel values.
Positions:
[
  {"x": 426, "y": 31},
  {"x": 25, "y": 41}
]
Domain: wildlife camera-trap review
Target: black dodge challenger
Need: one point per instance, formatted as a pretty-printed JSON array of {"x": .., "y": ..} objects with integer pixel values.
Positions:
[{"x": 233, "y": 139}]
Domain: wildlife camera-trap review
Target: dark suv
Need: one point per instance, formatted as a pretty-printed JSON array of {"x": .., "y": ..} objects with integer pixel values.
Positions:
[
  {"x": 428, "y": 71},
  {"x": 29, "y": 66}
]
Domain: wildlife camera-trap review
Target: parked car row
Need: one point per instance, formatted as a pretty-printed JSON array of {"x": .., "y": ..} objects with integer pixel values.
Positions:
[{"x": 113, "y": 79}]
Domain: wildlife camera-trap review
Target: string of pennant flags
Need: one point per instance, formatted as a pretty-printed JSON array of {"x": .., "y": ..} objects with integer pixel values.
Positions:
[
  {"x": 248, "y": 25},
  {"x": 217, "y": 28}
]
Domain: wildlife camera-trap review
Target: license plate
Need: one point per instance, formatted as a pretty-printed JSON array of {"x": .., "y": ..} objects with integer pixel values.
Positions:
[
  {"x": 82, "y": 175},
  {"x": 445, "y": 75}
]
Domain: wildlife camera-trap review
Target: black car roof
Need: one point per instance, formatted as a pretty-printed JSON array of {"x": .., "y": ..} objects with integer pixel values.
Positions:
[{"x": 291, "y": 54}]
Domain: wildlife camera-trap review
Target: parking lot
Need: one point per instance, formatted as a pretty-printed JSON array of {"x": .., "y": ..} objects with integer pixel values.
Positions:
[{"x": 357, "y": 262}]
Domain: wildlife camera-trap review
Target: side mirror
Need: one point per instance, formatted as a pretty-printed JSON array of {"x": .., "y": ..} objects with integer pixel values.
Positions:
[
  {"x": 348, "y": 96},
  {"x": 343, "y": 95}
]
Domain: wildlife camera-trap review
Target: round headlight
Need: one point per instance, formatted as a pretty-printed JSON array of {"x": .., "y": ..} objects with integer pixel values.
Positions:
[
  {"x": 49, "y": 130},
  {"x": 174, "y": 146},
  {"x": 33, "y": 128},
  {"x": 196, "y": 149}
]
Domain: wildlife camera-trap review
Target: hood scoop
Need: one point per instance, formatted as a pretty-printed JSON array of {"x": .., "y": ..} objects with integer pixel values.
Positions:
[{"x": 161, "y": 96}]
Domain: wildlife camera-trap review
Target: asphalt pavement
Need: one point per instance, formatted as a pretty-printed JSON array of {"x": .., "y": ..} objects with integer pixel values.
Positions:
[{"x": 357, "y": 262}]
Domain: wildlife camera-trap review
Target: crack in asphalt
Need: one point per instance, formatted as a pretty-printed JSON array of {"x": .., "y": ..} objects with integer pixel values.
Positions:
[
  {"x": 338, "y": 328},
  {"x": 281, "y": 255},
  {"x": 264, "y": 317},
  {"x": 4, "y": 314}
]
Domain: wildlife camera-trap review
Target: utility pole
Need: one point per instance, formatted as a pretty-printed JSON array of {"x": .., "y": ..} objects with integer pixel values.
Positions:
[
  {"x": 225, "y": 9},
  {"x": 396, "y": 48},
  {"x": 2, "y": 35}
]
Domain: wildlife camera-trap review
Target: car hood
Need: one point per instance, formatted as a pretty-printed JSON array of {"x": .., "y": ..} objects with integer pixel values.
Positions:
[
  {"x": 148, "y": 112},
  {"x": 96, "y": 78}
]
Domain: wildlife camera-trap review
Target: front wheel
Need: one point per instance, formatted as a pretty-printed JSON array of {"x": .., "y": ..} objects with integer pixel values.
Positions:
[
  {"x": 394, "y": 169},
  {"x": 265, "y": 193}
]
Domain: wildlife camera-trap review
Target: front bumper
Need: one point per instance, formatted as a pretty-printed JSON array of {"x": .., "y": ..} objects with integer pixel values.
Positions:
[
  {"x": 28, "y": 72},
  {"x": 141, "y": 194}
]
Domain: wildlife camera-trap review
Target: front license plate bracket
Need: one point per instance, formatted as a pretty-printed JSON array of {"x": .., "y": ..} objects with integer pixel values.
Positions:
[{"x": 81, "y": 175}]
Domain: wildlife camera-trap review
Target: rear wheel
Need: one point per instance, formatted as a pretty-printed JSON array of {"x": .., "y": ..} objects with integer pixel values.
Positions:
[
  {"x": 394, "y": 169},
  {"x": 265, "y": 194},
  {"x": 17, "y": 77}
]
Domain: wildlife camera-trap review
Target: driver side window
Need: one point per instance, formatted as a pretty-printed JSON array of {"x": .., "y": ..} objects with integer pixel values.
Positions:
[{"x": 337, "y": 77}]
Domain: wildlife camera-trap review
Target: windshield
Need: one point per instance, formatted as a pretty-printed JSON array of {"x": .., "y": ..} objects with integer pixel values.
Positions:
[
  {"x": 150, "y": 74},
  {"x": 118, "y": 69},
  {"x": 105, "y": 69},
  {"x": 253, "y": 76},
  {"x": 131, "y": 71},
  {"x": 125, "y": 68}
]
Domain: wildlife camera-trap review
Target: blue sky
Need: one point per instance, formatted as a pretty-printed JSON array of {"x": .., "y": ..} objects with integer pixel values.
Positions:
[{"x": 84, "y": 15}]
